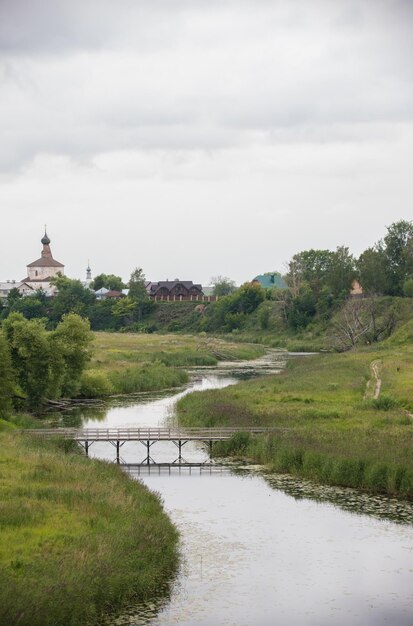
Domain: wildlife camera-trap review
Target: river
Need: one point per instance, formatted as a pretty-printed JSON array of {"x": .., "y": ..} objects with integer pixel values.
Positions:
[{"x": 260, "y": 549}]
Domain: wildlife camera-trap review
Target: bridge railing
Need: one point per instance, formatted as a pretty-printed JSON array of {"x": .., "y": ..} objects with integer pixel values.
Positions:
[{"x": 146, "y": 433}]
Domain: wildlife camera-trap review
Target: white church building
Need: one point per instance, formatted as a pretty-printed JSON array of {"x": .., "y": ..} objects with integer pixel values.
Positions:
[
  {"x": 40, "y": 272},
  {"x": 39, "y": 275}
]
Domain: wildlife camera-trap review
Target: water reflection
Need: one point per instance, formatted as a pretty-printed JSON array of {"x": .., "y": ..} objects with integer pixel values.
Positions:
[{"x": 255, "y": 555}]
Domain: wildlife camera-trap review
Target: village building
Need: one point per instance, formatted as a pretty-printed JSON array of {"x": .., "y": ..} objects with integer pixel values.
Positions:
[
  {"x": 270, "y": 281},
  {"x": 111, "y": 294},
  {"x": 114, "y": 294},
  {"x": 40, "y": 272},
  {"x": 356, "y": 290},
  {"x": 6, "y": 287},
  {"x": 174, "y": 290},
  {"x": 101, "y": 293}
]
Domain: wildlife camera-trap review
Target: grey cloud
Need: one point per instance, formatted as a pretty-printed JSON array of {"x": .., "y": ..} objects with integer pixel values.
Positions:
[
  {"x": 53, "y": 26},
  {"x": 189, "y": 75}
]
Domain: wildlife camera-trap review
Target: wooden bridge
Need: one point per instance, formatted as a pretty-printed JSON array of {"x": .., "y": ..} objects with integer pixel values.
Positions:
[{"x": 148, "y": 436}]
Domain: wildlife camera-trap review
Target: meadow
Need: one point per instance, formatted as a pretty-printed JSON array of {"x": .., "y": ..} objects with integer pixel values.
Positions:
[
  {"x": 79, "y": 538},
  {"x": 328, "y": 424},
  {"x": 127, "y": 363}
]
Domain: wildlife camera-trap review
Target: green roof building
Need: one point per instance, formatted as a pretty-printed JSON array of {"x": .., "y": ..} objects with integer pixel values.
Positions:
[{"x": 270, "y": 281}]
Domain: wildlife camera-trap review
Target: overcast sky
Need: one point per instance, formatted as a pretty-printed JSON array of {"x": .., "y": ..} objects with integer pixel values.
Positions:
[{"x": 201, "y": 137}]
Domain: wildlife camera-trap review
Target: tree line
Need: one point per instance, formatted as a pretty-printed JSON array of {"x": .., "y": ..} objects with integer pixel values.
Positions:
[
  {"x": 73, "y": 297},
  {"x": 318, "y": 283}
]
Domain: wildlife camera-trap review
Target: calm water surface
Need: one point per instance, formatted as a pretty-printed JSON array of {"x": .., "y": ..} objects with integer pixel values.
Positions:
[{"x": 265, "y": 550}]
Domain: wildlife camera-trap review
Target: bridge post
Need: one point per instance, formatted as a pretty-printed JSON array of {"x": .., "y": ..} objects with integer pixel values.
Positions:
[
  {"x": 87, "y": 448},
  {"x": 210, "y": 449},
  {"x": 118, "y": 452},
  {"x": 179, "y": 450}
]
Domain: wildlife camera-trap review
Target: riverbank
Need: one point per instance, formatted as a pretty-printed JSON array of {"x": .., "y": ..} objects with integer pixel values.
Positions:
[
  {"x": 78, "y": 538},
  {"x": 128, "y": 363},
  {"x": 332, "y": 428}
]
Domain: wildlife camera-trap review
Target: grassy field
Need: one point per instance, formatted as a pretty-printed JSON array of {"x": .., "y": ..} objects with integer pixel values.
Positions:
[
  {"x": 78, "y": 537},
  {"x": 117, "y": 350},
  {"x": 332, "y": 429},
  {"x": 126, "y": 363}
]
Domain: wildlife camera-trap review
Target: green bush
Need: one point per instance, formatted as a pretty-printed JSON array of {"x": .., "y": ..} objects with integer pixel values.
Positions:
[
  {"x": 238, "y": 443},
  {"x": 385, "y": 403},
  {"x": 408, "y": 287},
  {"x": 94, "y": 384}
]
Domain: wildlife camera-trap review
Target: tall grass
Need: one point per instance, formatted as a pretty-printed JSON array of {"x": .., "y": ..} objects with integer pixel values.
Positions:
[
  {"x": 150, "y": 377},
  {"x": 142, "y": 377},
  {"x": 78, "y": 537},
  {"x": 324, "y": 429},
  {"x": 126, "y": 363}
]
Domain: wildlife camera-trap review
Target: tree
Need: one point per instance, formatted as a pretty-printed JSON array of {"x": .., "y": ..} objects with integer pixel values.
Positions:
[
  {"x": 109, "y": 281},
  {"x": 318, "y": 281},
  {"x": 362, "y": 321},
  {"x": 13, "y": 296},
  {"x": 385, "y": 267},
  {"x": 341, "y": 272},
  {"x": 47, "y": 363},
  {"x": 71, "y": 340},
  {"x": 71, "y": 297},
  {"x": 309, "y": 267},
  {"x": 7, "y": 378},
  {"x": 351, "y": 324},
  {"x": 248, "y": 298},
  {"x": 101, "y": 315},
  {"x": 222, "y": 285},
  {"x": 31, "y": 356},
  {"x": 138, "y": 293},
  {"x": 31, "y": 307},
  {"x": 230, "y": 312},
  {"x": 398, "y": 251},
  {"x": 124, "y": 310},
  {"x": 302, "y": 309},
  {"x": 137, "y": 282},
  {"x": 371, "y": 267}
]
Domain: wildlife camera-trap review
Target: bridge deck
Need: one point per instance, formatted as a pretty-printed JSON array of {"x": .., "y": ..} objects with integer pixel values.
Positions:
[{"x": 147, "y": 433}]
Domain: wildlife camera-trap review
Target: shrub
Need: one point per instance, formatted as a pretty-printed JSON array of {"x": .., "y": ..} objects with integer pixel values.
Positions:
[
  {"x": 238, "y": 443},
  {"x": 408, "y": 287},
  {"x": 95, "y": 383},
  {"x": 385, "y": 403}
]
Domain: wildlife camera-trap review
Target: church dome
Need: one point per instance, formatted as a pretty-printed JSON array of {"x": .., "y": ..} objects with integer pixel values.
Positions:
[{"x": 45, "y": 240}]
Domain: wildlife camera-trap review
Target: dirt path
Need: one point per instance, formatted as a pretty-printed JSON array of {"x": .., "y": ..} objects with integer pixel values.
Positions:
[{"x": 373, "y": 387}]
